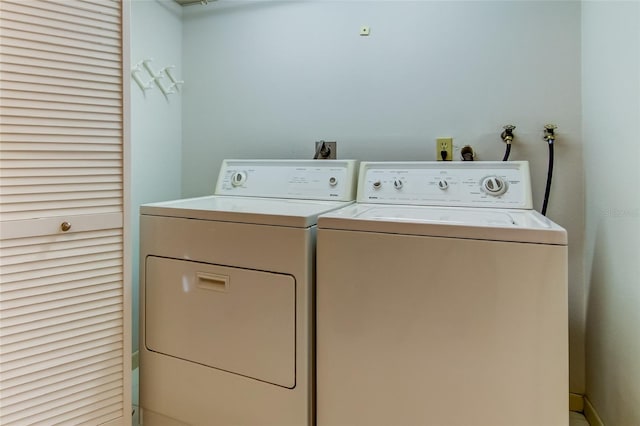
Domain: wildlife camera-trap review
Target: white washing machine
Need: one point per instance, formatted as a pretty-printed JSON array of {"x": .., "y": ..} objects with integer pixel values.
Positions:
[
  {"x": 227, "y": 295},
  {"x": 442, "y": 300}
]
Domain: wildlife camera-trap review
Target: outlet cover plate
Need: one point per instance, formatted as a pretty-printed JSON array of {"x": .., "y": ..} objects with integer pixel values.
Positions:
[{"x": 444, "y": 145}]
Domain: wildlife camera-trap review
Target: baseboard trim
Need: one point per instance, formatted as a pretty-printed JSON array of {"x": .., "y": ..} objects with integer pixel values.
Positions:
[
  {"x": 135, "y": 360},
  {"x": 576, "y": 402},
  {"x": 591, "y": 414}
]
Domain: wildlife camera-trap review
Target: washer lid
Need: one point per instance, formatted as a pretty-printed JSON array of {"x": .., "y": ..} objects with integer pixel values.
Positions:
[
  {"x": 454, "y": 222},
  {"x": 262, "y": 211}
]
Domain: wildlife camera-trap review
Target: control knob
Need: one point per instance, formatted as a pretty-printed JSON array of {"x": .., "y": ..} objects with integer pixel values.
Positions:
[
  {"x": 238, "y": 178},
  {"x": 494, "y": 185},
  {"x": 397, "y": 183},
  {"x": 443, "y": 184}
]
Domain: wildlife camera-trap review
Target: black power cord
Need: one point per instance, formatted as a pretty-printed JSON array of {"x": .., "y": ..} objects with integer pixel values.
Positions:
[
  {"x": 549, "y": 176},
  {"x": 507, "y": 152},
  {"x": 550, "y": 137}
]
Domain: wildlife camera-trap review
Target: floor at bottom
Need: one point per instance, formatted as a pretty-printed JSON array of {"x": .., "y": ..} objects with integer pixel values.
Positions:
[{"x": 575, "y": 419}]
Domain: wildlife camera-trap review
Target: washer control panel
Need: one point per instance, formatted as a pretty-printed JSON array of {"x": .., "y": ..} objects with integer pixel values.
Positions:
[
  {"x": 301, "y": 179},
  {"x": 456, "y": 184}
]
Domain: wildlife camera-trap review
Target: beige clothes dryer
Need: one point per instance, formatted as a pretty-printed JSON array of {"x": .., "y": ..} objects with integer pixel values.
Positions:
[{"x": 227, "y": 295}]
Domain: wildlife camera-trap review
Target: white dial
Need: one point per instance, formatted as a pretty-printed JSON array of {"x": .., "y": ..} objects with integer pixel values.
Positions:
[
  {"x": 377, "y": 184},
  {"x": 333, "y": 181},
  {"x": 494, "y": 185},
  {"x": 238, "y": 178},
  {"x": 397, "y": 183},
  {"x": 443, "y": 184}
]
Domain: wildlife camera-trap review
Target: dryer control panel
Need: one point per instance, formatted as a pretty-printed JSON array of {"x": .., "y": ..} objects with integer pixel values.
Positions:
[
  {"x": 456, "y": 184},
  {"x": 299, "y": 179}
]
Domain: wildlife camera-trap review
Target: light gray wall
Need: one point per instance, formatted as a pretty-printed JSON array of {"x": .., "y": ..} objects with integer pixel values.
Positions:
[
  {"x": 266, "y": 79},
  {"x": 156, "y": 129},
  {"x": 611, "y": 134}
]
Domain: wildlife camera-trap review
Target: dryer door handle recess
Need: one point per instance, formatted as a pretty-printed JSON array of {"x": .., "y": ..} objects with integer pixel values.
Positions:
[{"x": 213, "y": 282}]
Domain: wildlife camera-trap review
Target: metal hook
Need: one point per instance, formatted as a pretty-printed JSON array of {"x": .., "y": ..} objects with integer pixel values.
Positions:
[
  {"x": 175, "y": 83},
  {"x": 134, "y": 74}
]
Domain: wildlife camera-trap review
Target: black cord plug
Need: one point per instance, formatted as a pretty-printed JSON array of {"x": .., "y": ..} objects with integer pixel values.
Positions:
[{"x": 443, "y": 155}]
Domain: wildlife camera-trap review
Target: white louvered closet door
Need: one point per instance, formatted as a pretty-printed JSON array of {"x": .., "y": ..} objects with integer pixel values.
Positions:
[{"x": 64, "y": 306}]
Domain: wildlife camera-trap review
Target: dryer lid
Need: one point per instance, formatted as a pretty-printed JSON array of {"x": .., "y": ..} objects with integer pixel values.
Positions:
[
  {"x": 453, "y": 222},
  {"x": 261, "y": 211}
]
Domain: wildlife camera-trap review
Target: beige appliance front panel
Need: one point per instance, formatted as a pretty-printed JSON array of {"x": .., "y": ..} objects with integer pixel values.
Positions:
[
  {"x": 195, "y": 394},
  {"x": 440, "y": 331},
  {"x": 233, "y": 319}
]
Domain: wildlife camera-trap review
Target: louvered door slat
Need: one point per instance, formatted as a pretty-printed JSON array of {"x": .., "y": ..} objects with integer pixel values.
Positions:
[
  {"x": 68, "y": 405},
  {"x": 14, "y": 51},
  {"x": 56, "y": 172},
  {"x": 59, "y": 100},
  {"x": 47, "y": 106},
  {"x": 58, "y": 118},
  {"x": 52, "y": 189},
  {"x": 39, "y": 129},
  {"x": 111, "y": 271},
  {"x": 55, "y": 375},
  {"x": 35, "y": 48},
  {"x": 62, "y": 340},
  {"x": 41, "y": 26},
  {"x": 37, "y": 374},
  {"x": 15, "y": 402},
  {"x": 61, "y": 37},
  {"x": 24, "y": 244},
  {"x": 21, "y": 384},
  {"x": 61, "y": 327},
  {"x": 63, "y": 304},
  {"x": 60, "y": 83},
  {"x": 40, "y": 62},
  {"x": 82, "y": 146},
  {"x": 71, "y": 13}
]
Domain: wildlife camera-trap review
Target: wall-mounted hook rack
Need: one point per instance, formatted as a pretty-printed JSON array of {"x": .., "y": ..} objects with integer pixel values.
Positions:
[{"x": 156, "y": 77}]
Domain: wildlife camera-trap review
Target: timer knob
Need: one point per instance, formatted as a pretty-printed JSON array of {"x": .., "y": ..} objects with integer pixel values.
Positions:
[
  {"x": 494, "y": 185},
  {"x": 238, "y": 178},
  {"x": 397, "y": 183},
  {"x": 443, "y": 184}
]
